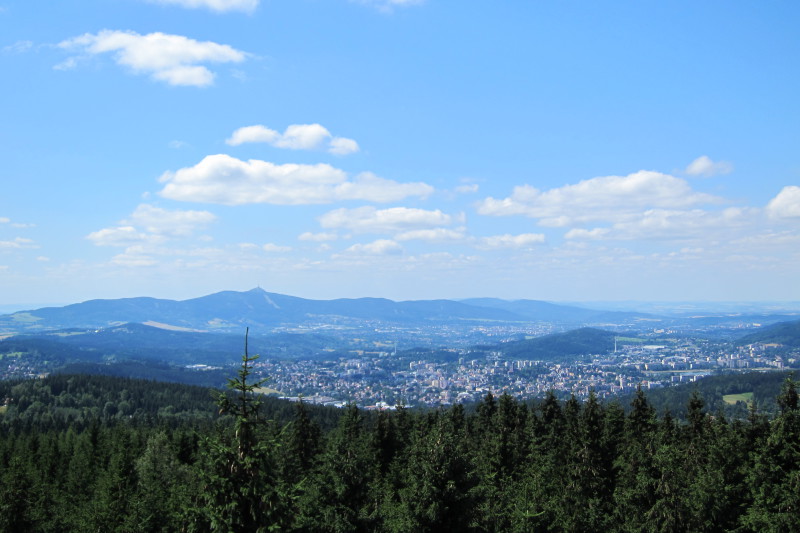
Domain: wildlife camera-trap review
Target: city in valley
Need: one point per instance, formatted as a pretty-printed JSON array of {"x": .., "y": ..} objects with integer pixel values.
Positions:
[
  {"x": 381, "y": 378},
  {"x": 380, "y": 354}
]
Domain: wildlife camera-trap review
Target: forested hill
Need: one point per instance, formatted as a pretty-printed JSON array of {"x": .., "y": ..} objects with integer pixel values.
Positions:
[
  {"x": 730, "y": 394},
  {"x": 60, "y": 401},
  {"x": 565, "y": 346},
  {"x": 503, "y": 467},
  {"x": 785, "y": 333}
]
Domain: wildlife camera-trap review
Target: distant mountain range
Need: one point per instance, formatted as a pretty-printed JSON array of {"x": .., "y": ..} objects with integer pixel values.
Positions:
[{"x": 231, "y": 311}]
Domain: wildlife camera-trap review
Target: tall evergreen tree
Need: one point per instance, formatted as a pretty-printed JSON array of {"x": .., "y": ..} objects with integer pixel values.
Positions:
[{"x": 241, "y": 489}]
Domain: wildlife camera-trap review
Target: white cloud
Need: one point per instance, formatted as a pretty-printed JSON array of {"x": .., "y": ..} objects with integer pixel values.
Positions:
[
  {"x": 387, "y": 6},
  {"x": 150, "y": 224},
  {"x": 118, "y": 236},
  {"x": 169, "y": 222},
  {"x": 17, "y": 244},
  {"x": 467, "y": 189},
  {"x": 220, "y": 6},
  {"x": 704, "y": 166},
  {"x": 4, "y": 220},
  {"x": 174, "y": 59},
  {"x": 270, "y": 247},
  {"x": 295, "y": 137},
  {"x": 343, "y": 146},
  {"x": 786, "y": 204},
  {"x": 18, "y": 47},
  {"x": 524, "y": 240},
  {"x": 611, "y": 198},
  {"x": 317, "y": 237},
  {"x": 379, "y": 247},
  {"x": 432, "y": 235},
  {"x": 226, "y": 180},
  {"x": 371, "y": 220},
  {"x": 672, "y": 224},
  {"x": 586, "y": 234},
  {"x": 134, "y": 256}
]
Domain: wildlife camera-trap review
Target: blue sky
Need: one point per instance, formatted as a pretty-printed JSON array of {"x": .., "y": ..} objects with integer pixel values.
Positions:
[{"x": 565, "y": 151}]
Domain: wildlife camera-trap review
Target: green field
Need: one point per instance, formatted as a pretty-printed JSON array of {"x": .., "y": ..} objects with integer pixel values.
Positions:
[
  {"x": 731, "y": 399},
  {"x": 630, "y": 340},
  {"x": 267, "y": 390}
]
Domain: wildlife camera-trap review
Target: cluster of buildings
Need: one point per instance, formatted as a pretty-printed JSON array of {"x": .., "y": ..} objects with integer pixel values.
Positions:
[{"x": 381, "y": 379}]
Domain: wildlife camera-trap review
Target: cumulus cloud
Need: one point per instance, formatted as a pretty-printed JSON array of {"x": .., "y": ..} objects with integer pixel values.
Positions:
[
  {"x": 371, "y": 220},
  {"x": 173, "y": 59},
  {"x": 295, "y": 137},
  {"x": 223, "y": 179},
  {"x": 524, "y": 240},
  {"x": 118, "y": 236},
  {"x": 175, "y": 223},
  {"x": 586, "y": 234},
  {"x": 4, "y": 220},
  {"x": 379, "y": 247},
  {"x": 317, "y": 237},
  {"x": 439, "y": 235},
  {"x": 704, "y": 166},
  {"x": 220, "y": 6},
  {"x": 610, "y": 198},
  {"x": 671, "y": 224},
  {"x": 786, "y": 204},
  {"x": 150, "y": 224}
]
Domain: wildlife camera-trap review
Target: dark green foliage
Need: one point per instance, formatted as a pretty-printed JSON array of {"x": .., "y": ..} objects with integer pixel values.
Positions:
[
  {"x": 561, "y": 346},
  {"x": 786, "y": 333},
  {"x": 241, "y": 491},
  {"x": 105, "y": 454}
]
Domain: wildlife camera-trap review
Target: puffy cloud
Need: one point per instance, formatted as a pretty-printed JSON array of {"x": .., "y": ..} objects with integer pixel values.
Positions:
[
  {"x": 671, "y": 224},
  {"x": 586, "y": 234},
  {"x": 343, "y": 146},
  {"x": 174, "y": 59},
  {"x": 524, "y": 240},
  {"x": 371, "y": 220},
  {"x": 432, "y": 235},
  {"x": 317, "y": 237},
  {"x": 169, "y": 222},
  {"x": 220, "y": 6},
  {"x": 704, "y": 166},
  {"x": 226, "y": 180},
  {"x": 119, "y": 236},
  {"x": 786, "y": 204},
  {"x": 379, "y": 247},
  {"x": 295, "y": 137},
  {"x": 610, "y": 198},
  {"x": 156, "y": 225},
  {"x": 4, "y": 220}
]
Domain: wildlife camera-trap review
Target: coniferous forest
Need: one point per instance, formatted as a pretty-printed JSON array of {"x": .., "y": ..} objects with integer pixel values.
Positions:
[{"x": 93, "y": 453}]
